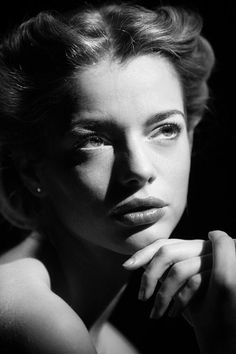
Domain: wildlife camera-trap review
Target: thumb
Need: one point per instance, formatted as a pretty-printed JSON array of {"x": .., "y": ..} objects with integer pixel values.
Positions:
[{"x": 224, "y": 258}]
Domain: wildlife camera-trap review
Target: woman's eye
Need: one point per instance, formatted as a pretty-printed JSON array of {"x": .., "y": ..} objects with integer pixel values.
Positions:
[
  {"x": 166, "y": 131},
  {"x": 90, "y": 142},
  {"x": 94, "y": 141}
]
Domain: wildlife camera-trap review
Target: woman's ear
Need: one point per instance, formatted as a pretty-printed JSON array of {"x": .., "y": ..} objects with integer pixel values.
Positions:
[{"x": 28, "y": 170}]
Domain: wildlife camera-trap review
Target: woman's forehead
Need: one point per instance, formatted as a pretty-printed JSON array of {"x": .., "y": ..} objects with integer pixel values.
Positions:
[{"x": 145, "y": 85}]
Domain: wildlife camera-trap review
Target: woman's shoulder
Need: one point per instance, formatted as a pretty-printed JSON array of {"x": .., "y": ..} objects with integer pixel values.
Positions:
[
  {"x": 21, "y": 273},
  {"x": 19, "y": 266},
  {"x": 29, "y": 309}
]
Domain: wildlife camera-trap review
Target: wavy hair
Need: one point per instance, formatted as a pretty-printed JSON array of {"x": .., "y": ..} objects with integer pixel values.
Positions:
[{"x": 40, "y": 59}]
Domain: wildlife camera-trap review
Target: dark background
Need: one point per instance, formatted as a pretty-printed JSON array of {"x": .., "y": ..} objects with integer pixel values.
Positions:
[{"x": 212, "y": 192}]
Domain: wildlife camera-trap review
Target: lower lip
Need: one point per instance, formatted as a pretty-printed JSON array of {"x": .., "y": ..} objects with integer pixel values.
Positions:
[{"x": 145, "y": 217}]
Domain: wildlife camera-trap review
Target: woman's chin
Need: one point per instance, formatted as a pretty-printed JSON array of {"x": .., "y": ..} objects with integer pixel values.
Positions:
[{"x": 144, "y": 238}]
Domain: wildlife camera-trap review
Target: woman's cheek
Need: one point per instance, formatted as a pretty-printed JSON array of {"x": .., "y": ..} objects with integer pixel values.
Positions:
[{"x": 95, "y": 174}]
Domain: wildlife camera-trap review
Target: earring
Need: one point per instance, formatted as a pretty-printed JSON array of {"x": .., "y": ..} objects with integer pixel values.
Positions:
[{"x": 38, "y": 190}]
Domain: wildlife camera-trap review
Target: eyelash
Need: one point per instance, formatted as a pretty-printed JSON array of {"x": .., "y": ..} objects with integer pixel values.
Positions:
[
  {"x": 176, "y": 129},
  {"x": 88, "y": 138}
]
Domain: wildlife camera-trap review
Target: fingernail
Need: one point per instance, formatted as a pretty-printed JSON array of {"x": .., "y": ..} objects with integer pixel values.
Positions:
[{"x": 129, "y": 262}]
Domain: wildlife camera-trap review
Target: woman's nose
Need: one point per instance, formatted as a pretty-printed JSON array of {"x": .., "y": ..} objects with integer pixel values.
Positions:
[{"x": 136, "y": 165}]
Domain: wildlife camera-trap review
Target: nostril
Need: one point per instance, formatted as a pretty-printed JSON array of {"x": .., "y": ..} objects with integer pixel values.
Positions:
[
  {"x": 151, "y": 179},
  {"x": 135, "y": 178}
]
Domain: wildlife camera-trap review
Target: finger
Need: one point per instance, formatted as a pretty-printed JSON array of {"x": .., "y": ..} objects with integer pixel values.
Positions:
[
  {"x": 144, "y": 256},
  {"x": 194, "y": 288},
  {"x": 178, "y": 275},
  {"x": 166, "y": 256},
  {"x": 224, "y": 258}
]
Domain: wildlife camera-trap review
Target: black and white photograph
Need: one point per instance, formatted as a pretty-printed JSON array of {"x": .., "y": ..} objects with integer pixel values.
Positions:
[{"x": 117, "y": 177}]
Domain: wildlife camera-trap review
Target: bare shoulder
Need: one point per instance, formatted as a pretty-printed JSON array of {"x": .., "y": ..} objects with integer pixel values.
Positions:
[
  {"x": 33, "y": 315},
  {"x": 19, "y": 265}
]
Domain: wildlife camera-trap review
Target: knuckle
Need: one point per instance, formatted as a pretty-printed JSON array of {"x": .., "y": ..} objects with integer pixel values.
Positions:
[
  {"x": 148, "y": 277},
  {"x": 181, "y": 299},
  {"x": 177, "y": 271},
  {"x": 148, "y": 268},
  {"x": 194, "y": 282},
  {"x": 165, "y": 253}
]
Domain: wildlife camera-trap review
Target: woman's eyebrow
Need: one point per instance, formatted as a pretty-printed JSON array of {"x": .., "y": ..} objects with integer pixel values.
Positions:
[
  {"x": 91, "y": 124},
  {"x": 160, "y": 116},
  {"x": 98, "y": 123}
]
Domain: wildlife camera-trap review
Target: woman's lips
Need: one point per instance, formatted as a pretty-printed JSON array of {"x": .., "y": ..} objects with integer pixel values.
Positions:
[
  {"x": 138, "y": 212},
  {"x": 149, "y": 216}
]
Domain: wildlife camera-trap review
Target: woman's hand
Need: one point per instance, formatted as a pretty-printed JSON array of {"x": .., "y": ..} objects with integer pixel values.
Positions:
[
  {"x": 213, "y": 316},
  {"x": 181, "y": 266},
  {"x": 187, "y": 269},
  {"x": 33, "y": 318}
]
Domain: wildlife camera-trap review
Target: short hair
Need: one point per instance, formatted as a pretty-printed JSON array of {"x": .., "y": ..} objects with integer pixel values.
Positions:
[{"x": 38, "y": 63}]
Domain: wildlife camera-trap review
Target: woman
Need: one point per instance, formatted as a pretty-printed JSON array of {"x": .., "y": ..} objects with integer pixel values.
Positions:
[{"x": 98, "y": 110}]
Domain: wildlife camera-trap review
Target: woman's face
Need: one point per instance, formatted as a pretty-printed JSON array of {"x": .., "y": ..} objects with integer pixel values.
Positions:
[{"x": 119, "y": 178}]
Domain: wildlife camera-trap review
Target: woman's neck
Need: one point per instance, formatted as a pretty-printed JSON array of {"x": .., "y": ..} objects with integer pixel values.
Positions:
[{"x": 92, "y": 276}]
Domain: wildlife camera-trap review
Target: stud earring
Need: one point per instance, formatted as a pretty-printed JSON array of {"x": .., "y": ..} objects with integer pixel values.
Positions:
[{"x": 38, "y": 190}]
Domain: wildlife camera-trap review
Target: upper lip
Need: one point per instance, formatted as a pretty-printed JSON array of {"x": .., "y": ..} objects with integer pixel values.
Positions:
[{"x": 137, "y": 204}]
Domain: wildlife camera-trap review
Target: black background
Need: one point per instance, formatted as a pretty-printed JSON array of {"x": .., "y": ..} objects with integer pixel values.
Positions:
[{"x": 212, "y": 192}]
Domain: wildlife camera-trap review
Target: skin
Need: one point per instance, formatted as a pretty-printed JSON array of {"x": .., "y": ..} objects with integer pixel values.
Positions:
[
  {"x": 132, "y": 158},
  {"x": 139, "y": 157},
  {"x": 212, "y": 317},
  {"x": 81, "y": 183},
  {"x": 134, "y": 155}
]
